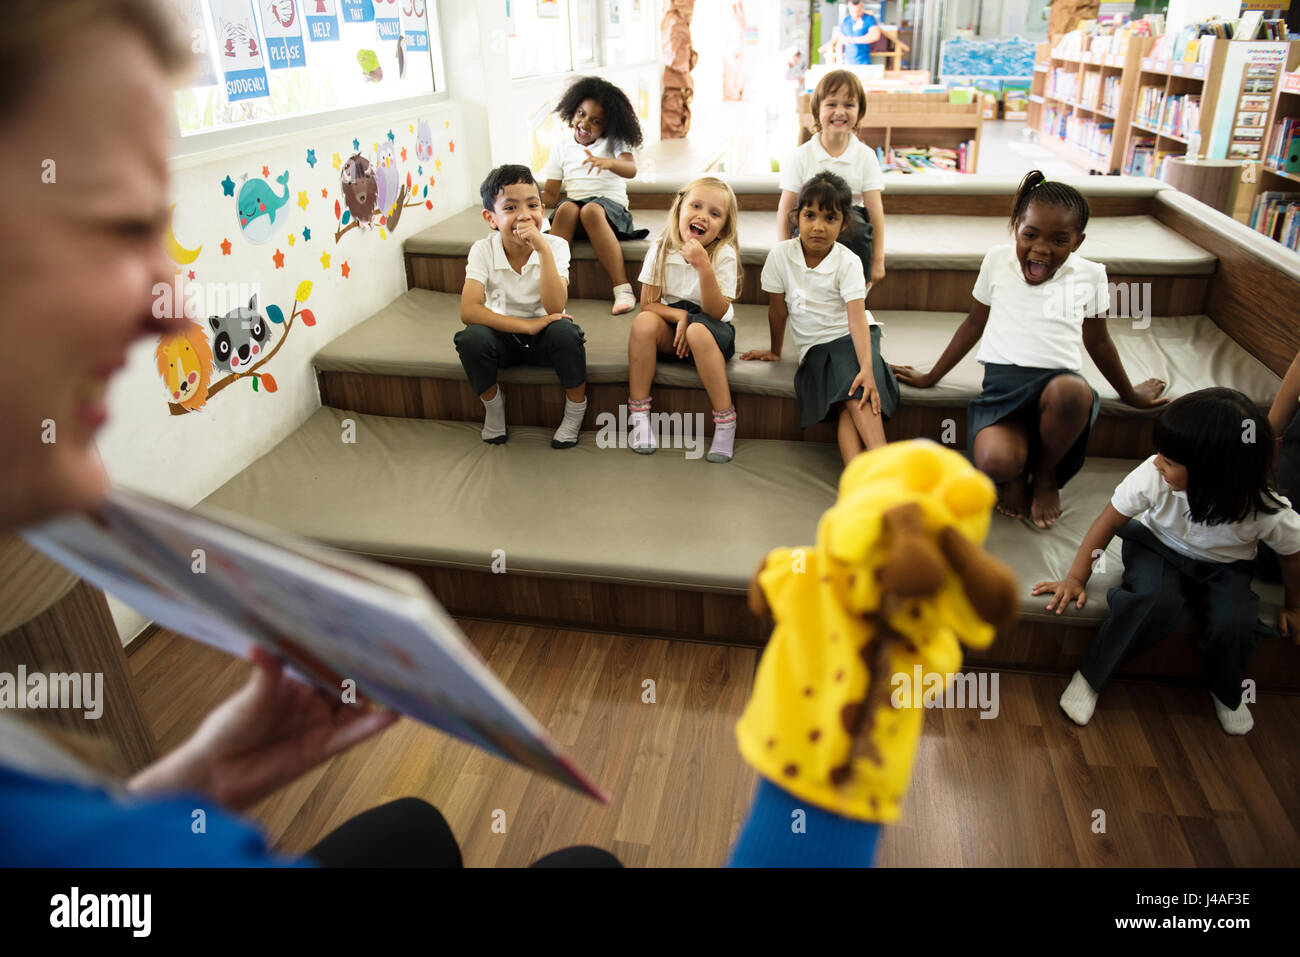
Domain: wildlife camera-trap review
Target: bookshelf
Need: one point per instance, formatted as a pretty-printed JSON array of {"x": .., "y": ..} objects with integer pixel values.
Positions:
[
  {"x": 1081, "y": 102},
  {"x": 1174, "y": 104},
  {"x": 1277, "y": 202},
  {"x": 892, "y": 121},
  {"x": 901, "y": 119}
]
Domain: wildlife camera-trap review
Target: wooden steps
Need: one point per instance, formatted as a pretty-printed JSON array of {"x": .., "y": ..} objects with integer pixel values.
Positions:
[{"x": 660, "y": 545}]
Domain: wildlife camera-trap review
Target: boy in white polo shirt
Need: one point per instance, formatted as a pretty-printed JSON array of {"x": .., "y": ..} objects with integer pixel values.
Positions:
[
  {"x": 512, "y": 304},
  {"x": 816, "y": 284},
  {"x": 837, "y": 106}
]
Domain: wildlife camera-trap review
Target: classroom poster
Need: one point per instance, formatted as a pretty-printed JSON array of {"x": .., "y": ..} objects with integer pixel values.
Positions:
[
  {"x": 283, "y": 31},
  {"x": 190, "y": 15},
  {"x": 388, "y": 22},
  {"x": 239, "y": 49},
  {"x": 322, "y": 20},
  {"x": 415, "y": 25},
  {"x": 358, "y": 11}
]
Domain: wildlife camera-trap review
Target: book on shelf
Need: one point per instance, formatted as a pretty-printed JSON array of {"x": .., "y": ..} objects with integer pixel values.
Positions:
[
  {"x": 1284, "y": 143},
  {"x": 1149, "y": 104},
  {"x": 921, "y": 159},
  {"x": 1276, "y": 214}
]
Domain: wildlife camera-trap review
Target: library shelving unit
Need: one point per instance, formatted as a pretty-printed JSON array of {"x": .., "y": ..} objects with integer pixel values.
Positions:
[
  {"x": 1279, "y": 171},
  {"x": 893, "y": 120},
  {"x": 1170, "y": 82},
  {"x": 1082, "y": 103}
]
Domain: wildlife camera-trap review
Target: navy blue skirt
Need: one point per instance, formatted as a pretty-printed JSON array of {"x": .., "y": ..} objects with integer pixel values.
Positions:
[
  {"x": 1011, "y": 390},
  {"x": 823, "y": 379},
  {"x": 620, "y": 218},
  {"x": 724, "y": 333}
]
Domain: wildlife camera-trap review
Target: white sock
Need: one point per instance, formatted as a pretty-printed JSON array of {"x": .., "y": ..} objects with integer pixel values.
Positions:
[
  {"x": 566, "y": 436},
  {"x": 1079, "y": 700},
  {"x": 624, "y": 299},
  {"x": 1234, "y": 721},
  {"x": 642, "y": 438},
  {"x": 494, "y": 423}
]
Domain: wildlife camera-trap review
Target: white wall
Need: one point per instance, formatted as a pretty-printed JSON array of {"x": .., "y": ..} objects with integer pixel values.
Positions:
[{"x": 183, "y": 458}]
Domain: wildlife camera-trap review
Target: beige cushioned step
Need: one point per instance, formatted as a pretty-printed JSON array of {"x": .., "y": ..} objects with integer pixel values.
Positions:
[
  {"x": 1125, "y": 245},
  {"x": 436, "y": 493},
  {"x": 413, "y": 337},
  {"x": 1273, "y": 254}
]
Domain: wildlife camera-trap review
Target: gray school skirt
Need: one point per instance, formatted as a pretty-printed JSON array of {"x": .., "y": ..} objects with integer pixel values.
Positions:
[
  {"x": 823, "y": 379},
  {"x": 1010, "y": 389},
  {"x": 620, "y": 218}
]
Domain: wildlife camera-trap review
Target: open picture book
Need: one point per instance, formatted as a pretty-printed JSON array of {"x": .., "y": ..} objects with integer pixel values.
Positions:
[{"x": 331, "y": 616}]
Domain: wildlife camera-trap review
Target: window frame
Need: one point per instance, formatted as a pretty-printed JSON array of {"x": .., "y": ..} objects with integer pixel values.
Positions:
[{"x": 193, "y": 148}]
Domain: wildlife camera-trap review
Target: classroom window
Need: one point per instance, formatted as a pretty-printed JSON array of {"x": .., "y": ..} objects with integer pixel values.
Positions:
[
  {"x": 631, "y": 29},
  {"x": 540, "y": 36},
  {"x": 259, "y": 60}
]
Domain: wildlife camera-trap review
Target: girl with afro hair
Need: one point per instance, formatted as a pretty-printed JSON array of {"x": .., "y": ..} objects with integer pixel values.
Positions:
[{"x": 589, "y": 163}]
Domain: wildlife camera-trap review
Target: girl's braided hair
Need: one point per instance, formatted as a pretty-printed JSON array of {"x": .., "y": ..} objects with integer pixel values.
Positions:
[{"x": 1036, "y": 188}]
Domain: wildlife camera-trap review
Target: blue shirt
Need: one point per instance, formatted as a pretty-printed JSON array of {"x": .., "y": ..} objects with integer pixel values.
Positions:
[
  {"x": 857, "y": 52},
  {"x": 56, "y": 824}
]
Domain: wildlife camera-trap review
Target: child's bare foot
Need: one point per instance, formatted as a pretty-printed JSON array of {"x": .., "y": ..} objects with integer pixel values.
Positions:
[
  {"x": 1047, "y": 503},
  {"x": 1013, "y": 497}
]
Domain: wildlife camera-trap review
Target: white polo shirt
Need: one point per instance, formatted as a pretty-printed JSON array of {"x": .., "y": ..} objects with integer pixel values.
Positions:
[
  {"x": 857, "y": 166},
  {"x": 508, "y": 292},
  {"x": 565, "y": 164},
  {"x": 816, "y": 298},
  {"x": 1038, "y": 327},
  {"x": 1144, "y": 495},
  {"x": 682, "y": 282}
]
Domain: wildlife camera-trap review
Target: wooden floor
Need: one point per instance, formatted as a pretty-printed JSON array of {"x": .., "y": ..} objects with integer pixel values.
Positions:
[{"x": 1021, "y": 789}]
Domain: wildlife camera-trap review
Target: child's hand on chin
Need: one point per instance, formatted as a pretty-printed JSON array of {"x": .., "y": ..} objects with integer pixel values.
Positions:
[
  {"x": 694, "y": 253},
  {"x": 527, "y": 231}
]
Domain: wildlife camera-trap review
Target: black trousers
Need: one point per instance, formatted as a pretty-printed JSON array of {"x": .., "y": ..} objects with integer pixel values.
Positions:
[
  {"x": 1158, "y": 585},
  {"x": 412, "y": 833},
  {"x": 484, "y": 350}
]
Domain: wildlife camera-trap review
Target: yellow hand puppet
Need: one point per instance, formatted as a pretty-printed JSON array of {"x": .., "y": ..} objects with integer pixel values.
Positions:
[{"x": 897, "y": 578}]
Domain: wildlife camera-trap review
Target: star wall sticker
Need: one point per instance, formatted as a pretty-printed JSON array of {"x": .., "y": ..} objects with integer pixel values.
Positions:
[
  {"x": 324, "y": 260},
  {"x": 302, "y": 199},
  {"x": 225, "y": 247},
  {"x": 437, "y": 165},
  {"x": 278, "y": 259},
  {"x": 344, "y": 269},
  {"x": 338, "y": 162},
  {"x": 306, "y": 234},
  {"x": 311, "y": 158},
  {"x": 228, "y": 186},
  {"x": 451, "y": 146},
  {"x": 191, "y": 276},
  {"x": 403, "y": 154},
  {"x": 324, "y": 193},
  {"x": 419, "y": 170},
  {"x": 391, "y": 137},
  {"x": 356, "y": 144},
  {"x": 290, "y": 239},
  {"x": 266, "y": 171},
  {"x": 411, "y": 127},
  {"x": 446, "y": 124}
]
